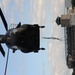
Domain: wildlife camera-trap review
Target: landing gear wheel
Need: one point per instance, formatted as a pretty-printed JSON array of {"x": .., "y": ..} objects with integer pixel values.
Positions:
[
  {"x": 41, "y": 26},
  {"x": 14, "y": 50},
  {"x": 42, "y": 48}
]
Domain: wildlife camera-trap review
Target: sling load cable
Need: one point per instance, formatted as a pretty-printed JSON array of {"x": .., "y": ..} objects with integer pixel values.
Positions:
[{"x": 54, "y": 38}]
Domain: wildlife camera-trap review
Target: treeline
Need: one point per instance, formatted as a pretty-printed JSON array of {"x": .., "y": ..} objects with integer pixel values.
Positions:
[{"x": 73, "y": 3}]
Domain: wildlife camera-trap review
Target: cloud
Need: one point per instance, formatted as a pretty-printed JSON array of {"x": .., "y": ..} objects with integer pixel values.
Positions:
[
  {"x": 56, "y": 53},
  {"x": 20, "y": 7},
  {"x": 37, "y": 13},
  {"x": 56, "y": 5},
  {"x": 5, "y": 4},
  {"x": 56, "y": 49},
  {"x": 16, "y": 7}
]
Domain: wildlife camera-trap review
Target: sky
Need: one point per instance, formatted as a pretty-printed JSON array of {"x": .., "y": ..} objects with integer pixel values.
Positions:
[{"x": 42, "y": 12}]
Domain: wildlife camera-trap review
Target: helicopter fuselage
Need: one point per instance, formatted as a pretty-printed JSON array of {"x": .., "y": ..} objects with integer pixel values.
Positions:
[{"x": 24, "y": 38}]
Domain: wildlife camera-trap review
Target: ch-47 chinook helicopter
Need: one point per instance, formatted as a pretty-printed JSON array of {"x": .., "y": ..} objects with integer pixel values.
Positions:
[{"x": 24, "y": 37}]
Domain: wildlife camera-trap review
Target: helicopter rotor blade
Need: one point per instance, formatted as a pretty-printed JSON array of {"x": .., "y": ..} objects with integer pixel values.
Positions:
[
  {"x": 2, "y": 51},
  {"x": 4, "y": 20}
]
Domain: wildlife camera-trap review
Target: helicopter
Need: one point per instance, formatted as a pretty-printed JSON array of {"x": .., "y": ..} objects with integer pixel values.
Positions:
[{"x": 25, "y": 37}]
